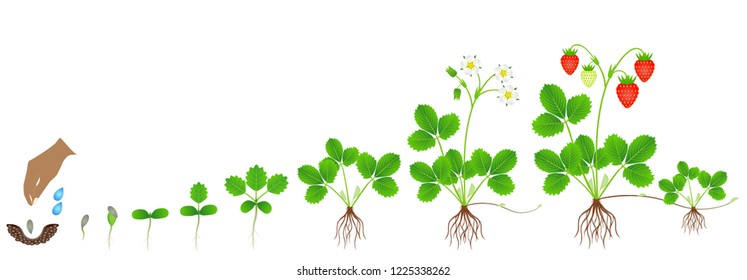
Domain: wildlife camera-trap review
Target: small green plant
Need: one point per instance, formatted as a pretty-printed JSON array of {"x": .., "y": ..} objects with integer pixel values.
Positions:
[
  {"x": 83, "y": 223},
  {"x": 141, "y": 214},
  {"x": 378, "y": 174},
  {"x": 111, "y": 217},
  {"x": 675, "y": 188},
  {"x": 198, "y": 193},
  {"x": 256, "y": 180}
]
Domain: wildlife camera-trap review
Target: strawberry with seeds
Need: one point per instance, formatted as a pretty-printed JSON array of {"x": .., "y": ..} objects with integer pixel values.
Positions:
[
  {"x": 627, "y": 91},
  {"x": 569, "y": 60},
  {"x": 644, "y": 66},
  {"x": 588, "y": 76}
]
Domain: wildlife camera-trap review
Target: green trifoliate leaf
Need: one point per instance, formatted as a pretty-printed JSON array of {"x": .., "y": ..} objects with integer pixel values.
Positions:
[
  {"x": 553, "y": 99},
  {"x": 548, "y": 161},
  {"x": 388, "y": 164},
  {"x": 421, "y": 172},
  {"x": 198, "y": 193},
  {"x": 717, "y": 193},
  {"x": 421, "y": 140},
  {"x": 160, "y": 213},
  {"x": 679, "y": 182},
  {"x": 334, "y": 149},
  {"x": 448, "y": 125},
  {"x": 571, "y": 157},
  {"x": 666, "y": 185},
  {"x": 547, "y": 125},
  {"x": 235, "y": 185},
  {"x": 426, "y": 118},
  {"x": 555, "y": 183},
  {"x": 188, "y": 211},
  {"x": 315, "y": 194},
  {"x": 256, "y": 178},
  {"x": 683, "y": 168},
  {"x": 328, "y": 168},
  {"x": 140, "y": 214},
  {"x": 503, "y": 162},
  {"x": 366, "y": 165},
  {"x": 579, "y": 107},
  {"x": 309, "y": 175},
  {"x": 265, "y": 207},
  {"x": 501, "y": 184},
  {"x": 455, "y": 159},
  {"x": 641, "y": 149},
  {"x": 385, "y": 186},
  {"x": 457, "y": 94},
  {"x": 349, "y": 156},
  {"x": 277, "y": 183},
  {"x": 718, "y": 179},
  {"x": 247, "y": 206},
  {"x": 481, "y": 161},
  {"x": 694, "y": 173},
  {"x": 586, "y": 145},
  {"x": 428, "y": 192},
  {"x": 670, "y": 198},
  {"x": 704, "y": 179},
  {"x": 208, "y": 210},
  {"x": 442, "y": 169},
  {"x": 616, "y": 149},
  {"x": 638, "y": 175}
]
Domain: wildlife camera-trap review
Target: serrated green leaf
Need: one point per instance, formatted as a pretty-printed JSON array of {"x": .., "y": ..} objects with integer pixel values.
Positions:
[
  {"x": 366, "y": 165},
  {"x": 670, "y": 198},
  {"x": 548, "y": 161},
  {"x": 309, "y": 175},
  {"x": 616, "y": 149},
  {"x": 328, "y": 168},
  {"x": 547, "y": 125},
  {"x": 448, "y": 125},
  {"x": 334, "y": 149},
  {"x": 428, "y": 192},
  {"x": 571, "y": 158},
  {"x": 666, "y": 185},
  {"x": 501, "y": 184},
  {"x": 385, "y": 186},
  {"x": 704, "y": 179},
  {"x": 421, "y": 172},
  {"x": 555, "y": 183},
  {"x": 426, "y": 118},
  {"x": 679, "y": 182},
  {"x": 455, "y": 159},
  {"x": 421, "y": 141},
  {"x": 349, "y": 156},
  {"x": 641, "y": 149},
  {"x": 111, "y": 219},
  {"x": 579, "y": 107},
  {"x": 718, "y": 179},
  {"x": 388, "y": 164},
  {"x": 693, "y": 173},
  {"x": 315, "y": 194},
  {"x": 638, "y": 175},
  {"x": 481, "y": 161},
  {"x": 469, "y": 170},
  {"x": 586, "y": 146},
  {"x": 602, "y": 159},
  {"x": 503, "y": 162},
  {"x": 198, "y": 193},
  {"x": 717, "y": 193},
  {"x": 265, "y": 207},
  {"x": 683, "y": 168},
  {"x": 140, "y": 214},
  {"x": 208, "y": 210},
  {"x": 188, "y": 211},
  {"x": 247, "y": 206},
  {"x": 277, "y": 183},
  {"x": 553, "y": 99},
  {"x": 235, "y": 185},
  {"x": 442, "y": 168},
  {"x": 256, "y": 178},
  {"x": 160, "y": 213}
]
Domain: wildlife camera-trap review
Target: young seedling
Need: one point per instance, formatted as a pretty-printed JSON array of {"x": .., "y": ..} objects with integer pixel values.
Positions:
[
  {"x": 198, "y": 193},
  {"x": 675, "y": 188},
  {"x": 141, "y": 214},
  {"x": 378, "y": 174},
  {"x": 83, "y": 223},
  {"x": 111, "y": 217},
  {"x": 256, "y": 180},
  {"x": 452, "y": 170}
]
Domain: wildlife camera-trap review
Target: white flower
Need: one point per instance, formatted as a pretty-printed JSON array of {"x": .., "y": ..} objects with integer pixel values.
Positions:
[
  {"x": 508, "y": 95},
  {"x": 504, "y": 73},
  {"x": 470, "y": 65}
]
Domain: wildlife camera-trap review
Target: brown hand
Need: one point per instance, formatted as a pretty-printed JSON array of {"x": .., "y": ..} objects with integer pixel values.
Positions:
[{"x": 42, "y": 169}]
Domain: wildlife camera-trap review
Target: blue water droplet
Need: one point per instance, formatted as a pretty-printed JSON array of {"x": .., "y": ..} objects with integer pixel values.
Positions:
[
  {"x": 57, "y": 209},
  {"x": 58, "y": 194}
]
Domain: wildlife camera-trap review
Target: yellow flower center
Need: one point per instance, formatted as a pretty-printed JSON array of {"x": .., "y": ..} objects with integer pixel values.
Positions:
[
  {"x": 471, "y": 65},
  {"x": 508, "y": 94},
  {"x": 504, "y": 73}
]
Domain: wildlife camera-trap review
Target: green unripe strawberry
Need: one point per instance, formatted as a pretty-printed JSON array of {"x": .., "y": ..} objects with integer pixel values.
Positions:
[{"x": 588, "y": 76}]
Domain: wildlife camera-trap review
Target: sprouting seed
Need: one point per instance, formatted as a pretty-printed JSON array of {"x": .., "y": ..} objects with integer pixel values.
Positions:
[
  {"x": 111, "y": 218},
  {"x": 83, "y": 223}
]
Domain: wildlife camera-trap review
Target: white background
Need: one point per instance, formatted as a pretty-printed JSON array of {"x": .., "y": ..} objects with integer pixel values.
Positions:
[{"x": 154, "y": 96}]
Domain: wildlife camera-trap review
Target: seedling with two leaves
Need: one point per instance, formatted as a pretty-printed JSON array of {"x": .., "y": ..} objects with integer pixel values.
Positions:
[
  {"x": 199, "y": 194},
  {"x": 141, "y": 214}
]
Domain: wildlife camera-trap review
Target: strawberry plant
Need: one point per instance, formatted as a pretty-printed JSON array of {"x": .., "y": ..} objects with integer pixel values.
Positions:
[
  {"x": 452, "y": 170},
  {"x": 256, "y": 180},
  {"x": 198, "y": 193},
  {"x": 377, "y": 174},
  {"x": 141, "y": 214}
]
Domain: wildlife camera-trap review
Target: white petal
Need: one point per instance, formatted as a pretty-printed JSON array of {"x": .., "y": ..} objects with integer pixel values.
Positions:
[
  {"x": 515, "y": 94},
  {"x": 502, "y": 98},
  {"x": 511, "y": 101}
]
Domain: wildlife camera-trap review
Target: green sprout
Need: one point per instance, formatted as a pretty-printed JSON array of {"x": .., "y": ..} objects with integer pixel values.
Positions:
[
  {"x": 198, "y": 193},
  {"x": 111, "y": 217},
  {"x": 83, "y": 223},
  {"x": 141, "y": 214},
  {"x": 256, "y": 180}
]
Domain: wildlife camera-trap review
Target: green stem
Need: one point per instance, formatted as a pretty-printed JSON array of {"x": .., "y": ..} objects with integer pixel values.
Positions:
[
  {"x": 345, "y": 179},
  {"x": 689, "y": 186},
  {"x": 610, "y": 181},
  {"x": 109, "y": 240},
  {"x": 147, "y": 235},
  {"x": 361, "y": 193},
  {"x": 476, "y": 189},
  {"x": 504, "y": 207},
  {"x": 198, "y": 225},
  {"x": 254, "y": 224},
  {"x": 84, "y": 233},
  {"x": 645, "y": 196},
  {"x": 338, "y": 194},
  {"x": 440, "y": 147}
]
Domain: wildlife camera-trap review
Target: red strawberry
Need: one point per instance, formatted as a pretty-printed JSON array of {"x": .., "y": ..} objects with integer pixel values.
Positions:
[
  {"x": 644, "y": 66},
  {"x": 569, "y": 61},
  {"x": 627, "y": 91}
]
